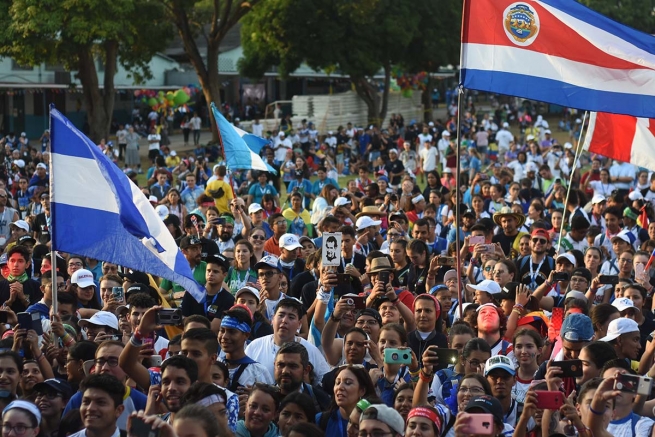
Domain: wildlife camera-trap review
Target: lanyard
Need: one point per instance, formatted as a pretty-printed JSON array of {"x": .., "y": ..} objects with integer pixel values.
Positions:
[
  {"x": 213, "y": 301},
  {"x": 344, "y": 263},
  {"x": 533, "y": 274}
]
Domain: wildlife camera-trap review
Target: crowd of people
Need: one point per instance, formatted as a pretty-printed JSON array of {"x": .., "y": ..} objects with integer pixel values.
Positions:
[{"x": 547, "y": 331}]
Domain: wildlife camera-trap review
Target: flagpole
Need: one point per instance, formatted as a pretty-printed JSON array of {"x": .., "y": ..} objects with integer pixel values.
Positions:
[
  {"x": 578, "y": 150},
  {"x": 53, "y": 253},
  {"x": 458, "y": 212}
]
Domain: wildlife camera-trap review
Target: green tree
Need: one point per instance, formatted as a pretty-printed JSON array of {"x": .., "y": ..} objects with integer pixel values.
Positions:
[
  {"x": 211, "y": 20},
  {"x": 638, "y": 14},
  {"x": 358, "y": 38},
  {"x": 78, "y": 34}
]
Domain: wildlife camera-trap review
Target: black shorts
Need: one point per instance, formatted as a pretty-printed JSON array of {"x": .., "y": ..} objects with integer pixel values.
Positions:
[{"x": 153, "y": 154}]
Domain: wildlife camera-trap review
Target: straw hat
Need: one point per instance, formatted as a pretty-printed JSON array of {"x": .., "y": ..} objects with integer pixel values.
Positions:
[
  {"x": 506, "y": 211},
  {"x": 370, "y": 210}
]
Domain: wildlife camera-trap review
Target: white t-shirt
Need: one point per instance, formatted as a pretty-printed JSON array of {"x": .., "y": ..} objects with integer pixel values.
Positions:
[
  {"x": 423, "y": 138},
  {"x": 154, "y": 145},
  {"x": 429, "y": 157},
  {"x": 503, "y": 137},
  {"x": 263, "y": 351},
  {"x": 254, "y": 372},
  {"x": 121, "y": 136},
  {"x": 281, "y": 153},
  {"x": 623, "y": 170},
  {"x": 195, "y": 123},
  {"x": 602, "y": 189},
  {"x": 623, "y": 427},
  {"x": 258, "y": 129}
]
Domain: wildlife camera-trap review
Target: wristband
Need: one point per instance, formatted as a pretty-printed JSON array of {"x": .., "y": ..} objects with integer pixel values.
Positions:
[
  {"x": 334, "y": 319},
  {"x": 429, "y": 276},
  {"x": 137, "y": 335},
  {"x": 424, "y": 376},
  {"x": 597, "y": 413},
  {"x": 518, "y": 305},
  {"x": 39, "y": 357}
]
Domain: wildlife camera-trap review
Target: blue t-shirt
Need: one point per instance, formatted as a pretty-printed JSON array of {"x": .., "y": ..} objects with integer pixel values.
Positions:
[
  {"x": 304, "y": 187},
  {"x": 257, "y": 192}
]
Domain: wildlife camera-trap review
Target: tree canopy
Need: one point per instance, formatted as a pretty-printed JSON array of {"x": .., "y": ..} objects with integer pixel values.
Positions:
[{"x": 638, "y": 14}]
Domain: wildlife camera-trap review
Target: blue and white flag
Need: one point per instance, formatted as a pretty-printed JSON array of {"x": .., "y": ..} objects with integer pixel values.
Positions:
[
  {"x": 99, "y": 213},
  {"x": 241, "y": 148}
]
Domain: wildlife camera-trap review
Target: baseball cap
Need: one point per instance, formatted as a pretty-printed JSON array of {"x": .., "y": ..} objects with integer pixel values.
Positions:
[
  {"x": 620, "y": 326},
  {"x": 487, "y": 285},
  {"x": 529, "y": 137},
  {"x": 269, "y": 261},
  {"x": 3, "y": 259},
  {"x": 41, "y": 165},
  {"x": 487, "y": 404},
  {"x": 386, "y": 415},
  {"x": 366, "y": 222},
  {"x": 218, "y": 259},
  {"x": 21, "y": 224},
  {"x": 508, "y": 292},
  {"x": 82, "y": 278},
  {"x": 499, "y": 362},
  {"x": 254, "y": 207},
  {"x": 25, "y": 239},
  {"x": 135, "y": 276},
  {"x": 506, "y": 124},
  {"x": 372, "y": 312},
  {"x": 189, "y": 241},
  {"x": 568, "y": 145},
  {"x": 56, "y": 385},
  {"x": 25, "y": 405},
  {"x": 488, "y": 304},
  {"x": 626, "y": 236},
  {"x": 539, "y": 232},
  {"x": 635, "y": 195},
  {"x": 574, "y": 294},
  {"x": 567, "y": 256},
  {"x": 577, "y": 327},
  {"x": 153, "y": 199},
  {"x": 447, "y": 170},
  {"x": 630, "y": 213},
  {"x": 598, "y": 198},
  {"x": 162, "y": 211},
  {"x": 530, "y": 166},
  {"x": 341, "y": 201},
  {"x": 393, "y": 151},
  {"x": 101, "y": 318},
  {"x": 251, "y": 290},
  {"x": 450, "y": 274},
  {"x": 623, "y": 303},
  {"x": 290, "y": 242}
]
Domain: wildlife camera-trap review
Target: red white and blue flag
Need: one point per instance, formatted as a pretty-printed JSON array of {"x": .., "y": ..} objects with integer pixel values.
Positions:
[{"x": 558, "y": 51}]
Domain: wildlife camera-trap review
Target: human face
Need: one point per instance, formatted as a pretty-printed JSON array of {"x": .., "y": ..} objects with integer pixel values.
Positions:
[
  {"x": 459, "y": 341},
  {"x": 524, "y": 245},
  {"x": 397, "y": 252},
  {"x": 280, "y": 226},
  {"x": 388, "y": 338},
  {"x": 105, "y": 288},
  {"x": 403, "y": 402},
  {"x": 425, "y": 315},
  {"x": 109, "y": 268},
  {"x": 445, "y": 299},
  {"x": 630, "y": 345},
  {"x": 369, "y": 325},
  {"x": 579, "y": 283},
  {"x": 136, "y": 314},
  {"x": 468, "y": 389},
  {"x": 501, "y": 383},
  {"x": 17, "y": 418},
  {"x": 50, "y": 403},
  {"x": 17, "y": 264},
  {"x": 193, "y": 254},
  {"x": 269, "y": 279},
  {"x": 389, "y": 313},
  {"x": 174, "y": 383},
  {"x": 488, "y": 320},
  {"x": 191, "y": 182},
  {"x": 355, "y": 348},
  {"x": 625, "y": 263},
  {"x": 231, "y": 340},
  {"x": 98, "y": 410},
  {"x": 572, "y": 349},
  {"x": 189, "y": 428},
  {"x": 432, "y": 180},
  {"x": 9, "y": 375},
  {"x": 217, "y": 375},
  {"x": 214, "y": 275},
  {"x": 526, "y": 350},
  {"x": 248, "y": 300},
  {"x": 589, "y": 368},
  {"x": 347, "y": 390},
  {"x": 475, "y": 361},
  {"x": 258, "y": 239},
  {"x": 260, "y": 412},
  {"x": 502, "y": 275},
  {"x": 105, "y": 357},
  {"x": 508, "y": 223},
  {"x": 556, "y": 220},
  {"x": 592, "y": 260},
  {"x": 420, "y": 233},
  {"x": 416, "y": 258},
  {"x": 289, "y": 372},
  {"x": 635, "y": 296},
  {"x": 242, "y": 255},
  {"x": 488, "y": 270},
  {"x": 583, "y": 407},
  {"x": 31, "y": 375},
  {"x": 285, "y": 323},
  {"x": 290, "y": 415},
  {"x": 196, "y": 350},
  {"x": 419, "y": 427},
  {"x": 353, "y": 423}
]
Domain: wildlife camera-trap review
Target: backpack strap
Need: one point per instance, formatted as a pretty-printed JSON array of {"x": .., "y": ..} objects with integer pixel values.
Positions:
[
  {"x": 451, "y": 422},
  {"x": 234, "y": 383},
  {"x": 635, "y": 418}
]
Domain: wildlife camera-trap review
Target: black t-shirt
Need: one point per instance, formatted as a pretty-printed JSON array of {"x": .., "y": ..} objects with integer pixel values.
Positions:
[
  {"x": 395, "y": 167},
  {"x": 31, "y": 290},
  {"x": 505, "y": 241},
  {"x": 416, "y": 278},
  {"x": 539, "y": 272},
  {"x": 41, "y": 228},
  {"x": 298, "y": 282},
  {"x": 645, "y": 329},
  {"x": 214, "y": 307}
]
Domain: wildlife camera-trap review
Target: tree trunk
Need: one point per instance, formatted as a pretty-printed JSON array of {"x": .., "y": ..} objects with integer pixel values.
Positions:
[
  {"x": 97, "y": 116},
  {"x": 426, "y": 100},
  {"x": 370, "y": 96},
  {"x": 109, "y": 92},
  {"x": 385, "y": 92},
  {"x": 212, "y": 91}
]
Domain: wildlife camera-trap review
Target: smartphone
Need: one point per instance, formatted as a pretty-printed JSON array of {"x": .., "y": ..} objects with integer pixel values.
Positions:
[
  {"x": 24, "y": 320},
  {"x": 36, "y": 323},
  {"x": 397, "y": 356},
  {"x": 155, "y": 360},
  {"x": 608, "y": 279},
  {"x": 639, "y": 269},
  {"x": 344, "y": 279},
  {"x": 641, "y": 385},
  {"x": 168, "y": 316},
  {"x": 358, "y": 301},
  {"x": 117, "y": 293},
  {"x": 141, "y": 428},
  {"x": 220, "y": 221},
  {"x": 148, "y": 343},
  {"x": 560, "y": 276},
  {"x": 473, "y": 240},
  {"x": 482, "y": 424},
  {"x": 487, "y": 248},
  {"x": 446, "y": 260},
  {"x": 570, "y": 368},
  {"x": 549, "y": 400},
  {"x": 384, "y": 277},
  {"x": 447, "y": 356}
]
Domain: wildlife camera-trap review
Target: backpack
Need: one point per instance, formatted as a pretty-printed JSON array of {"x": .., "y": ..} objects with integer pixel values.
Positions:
[{"x": 217, "y": 194}]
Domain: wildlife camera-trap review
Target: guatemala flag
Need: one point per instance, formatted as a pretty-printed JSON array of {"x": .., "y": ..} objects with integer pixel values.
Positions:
[
  {"x": 241, "y": 148},
  {"x": 558, "y": 51},
  {"x": 98, "y": 212}
]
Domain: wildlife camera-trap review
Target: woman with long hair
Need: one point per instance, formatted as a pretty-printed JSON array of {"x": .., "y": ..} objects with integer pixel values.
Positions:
[
  {"x": 262, "y": 407},
  {"x": 268, "y": 204},
  {"x": 601, "y": 315},
  {"x": 172, "y": 202},
  {"x": 418, "y": 253},
  {"x": 257, "y": 237},
  {"x": 295, "y": 408},
  {"x": 324, "y": 201},
  {"x": 527, "y": 348},
  {"x": 602, "y": 187},
  {"x": 402, "y": 399},
  {"x": 351, "y": 383},
  {"x": 242, "y": 272},
  {"x": 434, "y": 183},
  {"x": 477, "y": 203},
  {"x": 504, "y": 272}
]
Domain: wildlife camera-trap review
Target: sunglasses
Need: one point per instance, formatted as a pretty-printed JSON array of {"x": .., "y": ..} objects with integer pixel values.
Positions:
[
  {"x": 267, "y": 274},
  {"x": 539, "y": 240},
  {"x": 258, "y": 237}
]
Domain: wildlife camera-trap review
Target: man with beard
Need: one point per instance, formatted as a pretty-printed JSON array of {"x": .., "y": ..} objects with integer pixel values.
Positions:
[
  {"x": 192, "y": 250},
  {"x": 489, "y": 327},
  {"x": 499, "y": 372},
  {"x": 102, "y": 406},
  {"x": 292, "y": 368},
  {"x": 534, "y": 269},
  {"x": 217, "y": 299},
  {"x": 51, "y": 398},
  {"x": 177, "y": 375},
  {"x": 510, "y": 223},
  {"x": 225, "y": 230},
  {"x": 232, "y": 336}
]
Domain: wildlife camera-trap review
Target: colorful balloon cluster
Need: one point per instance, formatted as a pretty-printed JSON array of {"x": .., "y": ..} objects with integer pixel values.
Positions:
[
  {"x": 158, "y": 100},
  {"x": 407, "y": 83}
]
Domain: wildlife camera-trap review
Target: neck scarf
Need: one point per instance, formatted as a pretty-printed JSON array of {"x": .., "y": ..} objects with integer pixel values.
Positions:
[{"x": 22, "y": 278}]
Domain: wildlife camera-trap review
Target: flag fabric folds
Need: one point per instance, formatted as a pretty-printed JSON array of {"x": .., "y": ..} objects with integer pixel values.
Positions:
[
  {"x": 241, "y": 148},
  {"x": 99, "y": 213},
  {"x": 622, "y": 137},
  {"x": 558, "y": 51}
]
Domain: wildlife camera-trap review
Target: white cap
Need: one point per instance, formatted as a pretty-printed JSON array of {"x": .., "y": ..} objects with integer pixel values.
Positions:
[
  {"x": 487, "y": 285},
  {"x": 431, "y": 124},
  {"x": 23, "y": 134},
  {"x": 547, "y": 131},
  {"x": 393, "y": 151},
  {"x": 447, "y": 170},
  {"x": 162, "y": 211},
  {"x": 445, "y": 133},
  {"x": 623, "y": 303},
  {"x": 568, "y": 145},
  {"x": 269, "y": 261},
  {"x": 366, "y": 222},
  {"x": 21, "y": 224},
  {"x": 282, "y": 134},
  {"x": 529, "y": 138},
  {"x": 341, "y": 201},
  {"x": 20, "y": 163},
  {"x": 153, "y": 199},
  {"x": 41, "y": 165},
  {"x": 329, "y": 132},
  {"x": 578, "y": 121},
  {"x": 101, "y": 318},
  {"x": 598, "y": 198},
  {"x": 530, "y": 166},
  {"x": 567, "y": 256},
  {"x": 450, "y": 274},
  {"x": 620, "y": 326},
  {"x": 173, "y": 153},
  {"x": 82, "y": 278},
  {"x": 290, "y": 242},
  {"x": 254, "y": 207},
  {"x": 251, "y": 290},
  {"x": 506, "y": 124},
  {"x": 635, "y": 195}
]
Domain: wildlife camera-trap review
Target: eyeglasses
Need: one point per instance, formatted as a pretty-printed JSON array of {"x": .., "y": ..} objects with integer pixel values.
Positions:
[
  {"x": 393, "y": 234},
  {"x": 473, "y": 363},
  {"x": 370, "y": 322},
  {"x": 267, "y": 274},
  {"x": 77, "y": 264},
  {"x": 539, "y": 240},
  {"x": 258, "y": 237},
  {"x": 375, "y": 433},
  {"x": 578, "y": 279},
  {"x": 61, "y": 286},
  {"x": 113, "y": 362},
  {"x": 18, "y": 429},
  {"x": 48, "y": 395},
  {"x": 472, "y": 390},
  {"x": 280, "y": 222},
  {"x": 488, "y": 269},
  {"x": 625, "y": 260}
]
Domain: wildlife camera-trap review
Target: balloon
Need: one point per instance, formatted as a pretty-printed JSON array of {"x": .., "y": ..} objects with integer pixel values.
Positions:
[
  {"x": 160, "y": 94},
  {"x": 152, "y": 102},
  {"x": 137, "y": 93},
  {"x": 170, "y": 96},
  {"x": 180, "y": 97},
  {"x": 408, "y": 93}
]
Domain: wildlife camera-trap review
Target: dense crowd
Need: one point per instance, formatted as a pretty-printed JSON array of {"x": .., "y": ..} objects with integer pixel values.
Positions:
[{"x": 553, "y": 334}]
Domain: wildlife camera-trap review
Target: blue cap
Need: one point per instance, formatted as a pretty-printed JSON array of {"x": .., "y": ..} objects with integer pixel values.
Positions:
[
  {"x": 577, "y": 327},
  {"x": 438, "y": 287},
  {"x": 3, "y": 259}
]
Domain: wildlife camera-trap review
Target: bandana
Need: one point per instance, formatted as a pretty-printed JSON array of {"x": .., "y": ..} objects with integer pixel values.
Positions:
[
  {"x": 211, "y": 400},
  {"x": 233, "y": 323},
  {"x": 428, "y": 414},
  {"x": 228, "y": 219},
  {"x": 22, "y": 278}
]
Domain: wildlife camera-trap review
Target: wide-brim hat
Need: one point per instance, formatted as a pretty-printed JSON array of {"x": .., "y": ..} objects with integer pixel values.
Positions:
[
  {"x": 370, "y": 210},
  {"x": 507, "y": 211}
]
